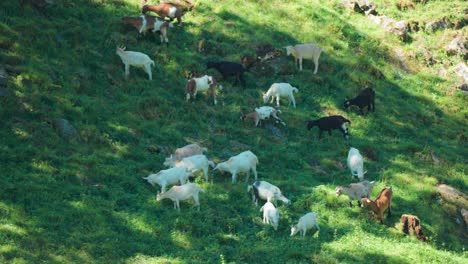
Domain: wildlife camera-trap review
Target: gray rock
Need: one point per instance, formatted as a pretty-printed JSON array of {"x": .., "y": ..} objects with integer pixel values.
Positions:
[
  {"x": 274, "y": 131},
  {"x": 458, "y": 46},
  {"x": 64, "y": 128},
  {"x": 461, "y": 69},
  {"x": 439, "y": 24}
]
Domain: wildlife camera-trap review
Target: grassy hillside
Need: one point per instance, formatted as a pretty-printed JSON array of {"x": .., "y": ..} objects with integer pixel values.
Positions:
[{"x": 82, "y": 200}]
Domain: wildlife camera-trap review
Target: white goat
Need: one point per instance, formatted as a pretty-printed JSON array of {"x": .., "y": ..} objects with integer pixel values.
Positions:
[
  {"x": 136, "y": 59},
  {"x": 183, "y": 152},
  {"x": 305, "y": 51},
  {"x": 356, "y": 163},
  {"x": 270, "y": 214},
  {"x": 180, "y": 193},
  {"x": 356, "y": 191},
  {"x": 280, "y": 90},
  {"x": 194, "y": 163},
  {"x": 168, "y": 177},
  {"x": 266, "y": 191},
  {"x": 243, "y": 162},
  {"x": 306, "y": 222}
]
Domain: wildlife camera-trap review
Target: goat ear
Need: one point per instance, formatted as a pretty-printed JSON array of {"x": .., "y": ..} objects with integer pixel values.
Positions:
[{"x": 364, "y": 172}]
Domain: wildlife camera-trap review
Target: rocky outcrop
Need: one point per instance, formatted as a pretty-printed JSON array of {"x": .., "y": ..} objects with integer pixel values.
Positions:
[{"x": 454, "y": 202}]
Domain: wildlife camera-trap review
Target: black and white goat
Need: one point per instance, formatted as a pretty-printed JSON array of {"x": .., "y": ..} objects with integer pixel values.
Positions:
[
  {"x": 365, "y": 98},
  {"x": 330, "y": 122}
]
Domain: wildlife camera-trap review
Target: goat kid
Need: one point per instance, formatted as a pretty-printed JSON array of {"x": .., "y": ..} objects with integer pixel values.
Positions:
[
  {"x": 355, "y": 163},
  {"x": 270, "y": 215},
  {"x": 380, "y": 204},
  {"x": 278, "y": 90},
  {"x": 202, "y": 83},
  {"x": 263, "y": 113},
  {"x": 356, "y": 191},
  {"x": 146, "y": 23},
  {"x": 180, "y": 193},
  {"x": 365, "y": 98},
  {"x": 305, "y": 51},
  {"x": 330, "y": 122},
  {"x": 136, "y": 59},
  {"x": 305, "y": 223}
]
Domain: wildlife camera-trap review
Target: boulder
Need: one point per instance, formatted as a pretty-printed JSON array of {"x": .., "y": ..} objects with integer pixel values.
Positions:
[
  {"x": 454, "y": 202},
  {"x": 64, "y": 128},
  {"x": 461, "y": 69},
  {"x": 458, "y": 46},
  {"x": 361, "y": 6},
  {"x": 438, "y": 24}
]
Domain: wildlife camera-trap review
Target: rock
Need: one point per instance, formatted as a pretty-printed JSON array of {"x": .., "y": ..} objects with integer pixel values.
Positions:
[
  {"x": 281, "y": 66},
  {"x": 458, "y": 46},
  {"x": 464, "y": 214},
  {"x": 361, "y": 6},
  {"x": 64, "y": 128},
  {"x": 276, "y": 132},
  {"x": 461, "y": 69},
  {"x": 412, "y": 225},
  {"x": 453, "y": 196},
  {"x": 238, "y": 146},
  {"x": 3, "y": 77},
  {"x": 462, "y": 86},
  {"x": 439, "y": 24},
  {"x": 399, "y": 28}
]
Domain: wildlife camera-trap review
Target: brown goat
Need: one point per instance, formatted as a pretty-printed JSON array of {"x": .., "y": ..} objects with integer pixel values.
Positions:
[
  {"x": 165, "y": 10},
  {"x": 381, "y": 203},
  {"x": 146, "y": 23}
]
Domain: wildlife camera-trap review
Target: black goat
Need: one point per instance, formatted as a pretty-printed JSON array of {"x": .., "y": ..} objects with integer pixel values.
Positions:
[
  {"x": 365, "y": 98},
  {"x": 227, "y": 68},
  {"x": 330, "y": 122}
]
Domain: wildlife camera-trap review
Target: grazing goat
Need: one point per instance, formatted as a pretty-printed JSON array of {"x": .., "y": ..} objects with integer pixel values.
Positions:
[
  {"x": 146, "y": 23},
  {"x": 278, "y": 90},
  {"x": 227, "y": 68},
  {"x": 168, "y": 177},
  {"x": 305, "y": 51},
  {"x": 306, "y": 222},
  {"x": 365, "y": 98},
  {"x": 270, "y": 215},
  {"x": 193, "y": 163},
  {"x": 165, "y": 10},
  {"x": 136, "y": 59},
  {"x": 263, "y": 113},
  {"x": 356, "y": 191},
  {"x": 266, "y": 191},
  {"x": 328, "y": 123},
  {"x": 243, "y": 162},
  {"x": 381, "y": 203},
  {"x": 202, "y": 83},
  {"x": 180, "y": 193},
  {"x": 355, "y": 163},
  {"x": 183, "y": 152}
]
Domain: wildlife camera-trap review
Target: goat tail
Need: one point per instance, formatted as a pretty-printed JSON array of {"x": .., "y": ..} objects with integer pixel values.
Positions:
[
  {"x": 295, "y": 89},
  {"x": 144, "y": 178},
  {"x": 152, "y": 63},
  {"x": 201, "y": 190}
]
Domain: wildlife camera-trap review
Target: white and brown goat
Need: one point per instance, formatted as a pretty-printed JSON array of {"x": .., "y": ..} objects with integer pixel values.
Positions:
[
  {"x": 263, "y": 113},
  {"x": 201, "y": 83},
  {"x": 146, "y": 23}
]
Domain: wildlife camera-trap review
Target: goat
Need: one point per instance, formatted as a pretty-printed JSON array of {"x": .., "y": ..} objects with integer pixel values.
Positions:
[
  {"x": 165, "y": 10},
  {"x": 227, "y": 68},
  {"x": 278, "y": 90},
  {"x": 243, "y": 162},
  {"x": 193, "y": 163},
  {"x": 146, "y": 23},
  {"x": 136, "y": 59},
  {"x": 270, "y": 215},
  {"x": 202, "y": 83},
  {"x": 355, "y": 163},
  {"x": 168, "y": 177},
  {"x": 365, "y": 98},
  {"x": 328, "y": 123},
  {"x": 381, "y": 203},
  {"x": 180, "y": 193},
  {"x": 305, "y": 51},
  {"x": 356, "y": 191},
  {"x": 185, "y": 151},
  {"x": 266, "y": 191},
  {"x": 263, "y": 113},
  {"x": 306, "y": 222}
]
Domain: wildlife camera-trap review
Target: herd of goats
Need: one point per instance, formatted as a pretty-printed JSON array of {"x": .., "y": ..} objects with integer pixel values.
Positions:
[{"x": 189, "y": 159}]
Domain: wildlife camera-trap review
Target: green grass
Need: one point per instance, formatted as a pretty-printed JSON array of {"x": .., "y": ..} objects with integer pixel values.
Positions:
[{"x": 83, "y": 200}]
